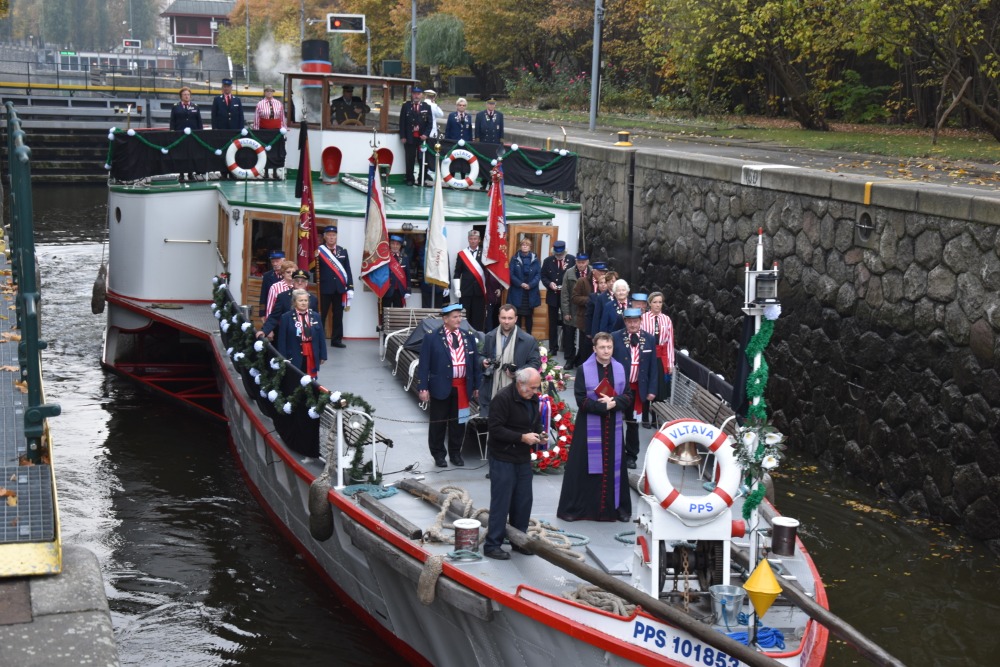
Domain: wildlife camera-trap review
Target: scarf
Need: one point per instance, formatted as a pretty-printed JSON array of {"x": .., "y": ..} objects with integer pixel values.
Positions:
[
  {"x": 594, "y": 459},
  {"x": 506, "y": 356}
]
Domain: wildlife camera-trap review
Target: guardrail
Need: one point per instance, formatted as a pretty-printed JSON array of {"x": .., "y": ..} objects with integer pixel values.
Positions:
[{"x": 24, "y": 272}]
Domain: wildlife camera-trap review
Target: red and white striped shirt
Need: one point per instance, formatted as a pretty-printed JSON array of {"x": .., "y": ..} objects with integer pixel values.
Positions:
[
  {"x": 272, "y": 295},
  {"x": 457, "y": 353},
  {"x": 663, "y": 330}
]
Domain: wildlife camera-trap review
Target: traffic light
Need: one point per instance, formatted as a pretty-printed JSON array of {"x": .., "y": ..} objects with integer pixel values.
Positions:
[
  {"x": 132, "y": 43},
  {"x": 345, "y": 23}
]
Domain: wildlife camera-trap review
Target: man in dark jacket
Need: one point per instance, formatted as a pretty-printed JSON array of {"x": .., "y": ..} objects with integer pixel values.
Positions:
[
  {"x": 553, "y": 269},
  {"x": 502, "y": 358},
  {"x": 414, "y": 126},
  {"x": 515, "y": 427},
  {"x": 635, "y": 350}
]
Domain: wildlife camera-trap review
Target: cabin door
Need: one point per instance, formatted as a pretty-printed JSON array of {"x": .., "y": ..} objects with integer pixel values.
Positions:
[
  {"x": 542, "y": 237},
  {"x": 263, "y": 233}
]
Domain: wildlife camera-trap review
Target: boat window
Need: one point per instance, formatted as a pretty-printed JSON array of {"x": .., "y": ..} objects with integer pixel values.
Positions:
[{"x": 265, "y": 237}]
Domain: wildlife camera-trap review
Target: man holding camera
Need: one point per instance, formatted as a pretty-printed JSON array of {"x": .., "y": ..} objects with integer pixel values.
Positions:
[
  {"x": 508, "y": 349},
  {"x": 515, "y": 426}
]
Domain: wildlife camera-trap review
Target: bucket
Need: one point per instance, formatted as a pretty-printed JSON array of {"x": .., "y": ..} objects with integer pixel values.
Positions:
[
  {"x": 783, "y": 531},
  {"x": 727, "y": 601},
  {"x": 467, "y": 534}
]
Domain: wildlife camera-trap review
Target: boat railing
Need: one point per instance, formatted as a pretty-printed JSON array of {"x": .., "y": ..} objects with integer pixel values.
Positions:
[
  {"x": 697, "y": 392},
  {"x": 25, "y": 276}
]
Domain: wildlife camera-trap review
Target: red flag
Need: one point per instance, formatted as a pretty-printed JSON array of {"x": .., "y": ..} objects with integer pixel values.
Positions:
[
  {"x": 308, "y": 236},
  {"x": 495, "y": 247}
]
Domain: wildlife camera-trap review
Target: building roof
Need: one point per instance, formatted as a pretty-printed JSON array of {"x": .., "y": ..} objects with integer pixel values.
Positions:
[{"x": 217, "y": 8}]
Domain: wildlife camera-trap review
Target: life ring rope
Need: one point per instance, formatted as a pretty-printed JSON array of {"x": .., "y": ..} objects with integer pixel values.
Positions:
[
  {"x": 691, "y": 510},
  {"x": 254, "y": 145},
  {"x": 451, "y": 179}
]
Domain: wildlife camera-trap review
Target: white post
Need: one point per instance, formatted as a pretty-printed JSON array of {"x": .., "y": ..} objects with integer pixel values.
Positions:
[
  {"x": 754, "y": 513},
  {"x": 340, "y": 447}
]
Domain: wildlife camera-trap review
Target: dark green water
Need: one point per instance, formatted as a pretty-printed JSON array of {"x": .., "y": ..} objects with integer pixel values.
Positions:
[{"x": 196, "y": 575}]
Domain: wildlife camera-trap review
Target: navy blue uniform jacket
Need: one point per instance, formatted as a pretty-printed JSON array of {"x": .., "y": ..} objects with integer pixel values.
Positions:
[
  {"x": 647, "y": 367},
  {"x": 435, "y": 373}
]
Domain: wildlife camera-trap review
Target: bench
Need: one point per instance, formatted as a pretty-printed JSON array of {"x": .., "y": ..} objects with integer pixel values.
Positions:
[{"x": 697, "y": 393}]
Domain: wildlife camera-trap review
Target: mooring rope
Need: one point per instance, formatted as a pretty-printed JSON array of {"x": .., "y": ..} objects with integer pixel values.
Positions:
[{"x": 595, "y": 596}]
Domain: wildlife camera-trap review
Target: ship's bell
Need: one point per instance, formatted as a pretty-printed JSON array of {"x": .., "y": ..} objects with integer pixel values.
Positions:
[{"x": 686, "y": 454}]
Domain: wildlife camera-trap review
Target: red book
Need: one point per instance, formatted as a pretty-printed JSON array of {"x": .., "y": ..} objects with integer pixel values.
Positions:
[{"x": 605, "y": 389}]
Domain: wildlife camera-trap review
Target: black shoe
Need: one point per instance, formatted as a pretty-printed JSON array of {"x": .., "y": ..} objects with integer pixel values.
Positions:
[
  {"x": 337, "y": 344},
  {"x": 630, "y": 464},
  {"x": 569, "y": 366},
  {"x": 624, "y": 518},
  {"x": 458, "y": 461},
  {"x": 521, "y": 550},
  {"x": 497, "y": 554},
  {"x": 647, "y": 425},
  {"x": 441, "y": 463}
]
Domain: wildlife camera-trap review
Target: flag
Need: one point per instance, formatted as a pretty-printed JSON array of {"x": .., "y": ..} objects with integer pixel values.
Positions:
[
  {"x": 376, "y": 260},
  {"x": 495, "y": 247},
  {"x": 308, "y": 238},
  {"x": 437, "y": 268}
]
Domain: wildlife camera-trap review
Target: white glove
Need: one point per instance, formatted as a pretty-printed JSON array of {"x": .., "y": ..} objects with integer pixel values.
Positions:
[
  {"x": 350, "y": 295},
  {"x": 458, "y": 293},
  {"x": 445, "y": 292},
  {"x": 406, "y": 298}
]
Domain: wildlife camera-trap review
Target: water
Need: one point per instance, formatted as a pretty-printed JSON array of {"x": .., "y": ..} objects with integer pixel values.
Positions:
[{"x": 197, "y": 575}]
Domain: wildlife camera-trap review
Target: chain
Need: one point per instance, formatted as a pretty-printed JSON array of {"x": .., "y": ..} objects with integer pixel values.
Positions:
[{"x": 687, "y": 583}]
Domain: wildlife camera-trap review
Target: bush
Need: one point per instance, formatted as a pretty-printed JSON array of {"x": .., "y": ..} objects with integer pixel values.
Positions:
[
  {"x": 856, "y": 102},
  {"x": 558, "y": 90}
]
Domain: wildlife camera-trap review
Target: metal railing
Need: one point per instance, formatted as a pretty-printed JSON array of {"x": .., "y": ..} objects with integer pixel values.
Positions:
[{"x": 24, "y": 272}]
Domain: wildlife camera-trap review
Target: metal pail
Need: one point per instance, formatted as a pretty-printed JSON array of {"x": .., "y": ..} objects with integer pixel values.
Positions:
[{"x": 727, "y": 601}]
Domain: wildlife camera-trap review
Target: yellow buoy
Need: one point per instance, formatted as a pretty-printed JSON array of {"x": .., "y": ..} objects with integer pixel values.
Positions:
[{"x": 762, "y": 587}]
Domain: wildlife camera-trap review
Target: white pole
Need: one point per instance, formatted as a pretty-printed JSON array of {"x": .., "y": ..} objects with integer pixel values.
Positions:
[{"x": 755, "y": 514}]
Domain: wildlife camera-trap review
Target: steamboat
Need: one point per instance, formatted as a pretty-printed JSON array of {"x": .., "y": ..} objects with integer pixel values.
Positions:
[{"x": 183, "y": 284}]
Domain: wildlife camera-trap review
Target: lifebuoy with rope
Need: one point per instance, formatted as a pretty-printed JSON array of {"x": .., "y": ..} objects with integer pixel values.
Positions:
[
  {"x": 252, "y": 144},
  {"x": 451, "y": 179},
  {"x": 700, "y": 509}
]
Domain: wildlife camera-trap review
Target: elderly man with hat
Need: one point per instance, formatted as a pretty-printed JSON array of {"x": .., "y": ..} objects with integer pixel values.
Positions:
[
  {"x": 553, "y": 269},
  {"x": 270, "y": 277},
  {"x": 336, "y": 283},
  {"x": 568, "y": 308},
  {"x": 470, "y": 282},
  {"x": 635, "y": 350},
  {"x": 348, "y": 109},
  {"x": 415, "y": 120},
  {"x": 399, "y": 291},
  {"x": 489, "y": 130},
  {"x": 283, "y": 304},
  {"x": 448, "y": 376},
  {"x": 582, "y": 290}
]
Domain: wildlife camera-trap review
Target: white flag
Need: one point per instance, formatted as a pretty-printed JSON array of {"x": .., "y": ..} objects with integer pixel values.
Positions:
[{"x": 437, "y": 267}]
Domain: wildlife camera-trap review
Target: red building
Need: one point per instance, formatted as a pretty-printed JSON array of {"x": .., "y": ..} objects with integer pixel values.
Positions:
[{"x": 196, "y": 22}]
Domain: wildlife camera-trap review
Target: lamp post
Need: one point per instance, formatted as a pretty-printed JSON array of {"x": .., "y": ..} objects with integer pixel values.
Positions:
[
  {"x": 248, "y": 45},
  {"x": 413, "y": 40},
  {"x": 595, "y": 64},
  {"x": 130, "y": 24}
]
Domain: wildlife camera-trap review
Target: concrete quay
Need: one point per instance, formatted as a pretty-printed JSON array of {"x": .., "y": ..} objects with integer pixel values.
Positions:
[{"x": 58, "y": 620}]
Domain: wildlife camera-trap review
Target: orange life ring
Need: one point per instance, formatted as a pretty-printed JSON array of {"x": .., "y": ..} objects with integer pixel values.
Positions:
[{"x": 254, "y": 145}]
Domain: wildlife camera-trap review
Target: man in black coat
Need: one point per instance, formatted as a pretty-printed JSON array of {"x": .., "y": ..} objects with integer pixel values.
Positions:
[
  {"x": 227, "y": 109},
  {"x": 515, "y": 427},
  {"x": 635, "y": 350},
  {"x": 553, "y": 269},
  {"x": 414, "y": 125},
  {"x": 471, "y": 282},
  {"x": 399, "y": 291},
  {"x": 271, "y": 277},
  {"x": 489, "y": 130},
  {"x": 336, "y": 283},
  {"x": 500, "y": 361}
]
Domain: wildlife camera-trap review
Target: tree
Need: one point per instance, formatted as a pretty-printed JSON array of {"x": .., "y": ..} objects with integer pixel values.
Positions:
[{"x": 440, "y": 41}]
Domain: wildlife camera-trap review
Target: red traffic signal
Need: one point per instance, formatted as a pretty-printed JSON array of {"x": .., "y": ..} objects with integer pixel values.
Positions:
[
  {"x": 345, "y": 23},
  {"x": 132, "y": 43}
]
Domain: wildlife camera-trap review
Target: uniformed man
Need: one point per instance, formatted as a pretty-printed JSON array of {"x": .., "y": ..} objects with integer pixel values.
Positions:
[
  {"x": 398, "y": 291},
  {"x": 489, "y": 130},
  {"x": 227, "y": 109},
  {"x": 414, "y": 128},
  {"x": 336, "y": 284},
  {"x": 553, "y": 269},
  {"x": 348, "y": 108}
]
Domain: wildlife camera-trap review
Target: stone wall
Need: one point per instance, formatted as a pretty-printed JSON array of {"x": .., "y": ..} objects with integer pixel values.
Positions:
[{"x": 884, "y": 361}]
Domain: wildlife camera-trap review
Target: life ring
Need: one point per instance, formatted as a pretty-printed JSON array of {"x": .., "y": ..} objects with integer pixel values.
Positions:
[
  {"x": 451, "y": 179},
  {"x": 252, "y": 144},
  {"x": 692, "y": 510}
]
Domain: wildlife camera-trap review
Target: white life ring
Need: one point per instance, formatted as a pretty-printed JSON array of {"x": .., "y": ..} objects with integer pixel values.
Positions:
[
  {"x": 700, "y": 509},
  {"x": 460, "y": 183},
  {"x": 252, "y": 144}
]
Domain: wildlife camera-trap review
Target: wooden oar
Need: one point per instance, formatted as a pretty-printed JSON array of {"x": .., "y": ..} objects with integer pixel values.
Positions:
[{"x": 649, "y": 604}]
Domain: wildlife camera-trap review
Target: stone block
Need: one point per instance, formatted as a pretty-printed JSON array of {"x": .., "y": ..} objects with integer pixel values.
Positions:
[
  {"x": 986, "y": 209},
  {"x": 894, "y": 194},
  {"x": 798, "y": 181},
  {"x": 946, "y": 202},
  {"x": 848, "y": 188}
]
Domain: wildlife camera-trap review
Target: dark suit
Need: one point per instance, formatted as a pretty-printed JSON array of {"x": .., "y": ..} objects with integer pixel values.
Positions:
[
  {"x": 455, "y": 130},
  {"x": 526, "y": 355},
  {"x": 343, "y": 110},
  {"x": 290, "y": 346},
  {"x": 332, "y": 291},
  {"x": 397, "y": 290},
  {"x": 185, "y": 116},
  {"x": 414, "y": 122},
  {"x": 282, "y": 305},
  {"x": 434, "y": 373},
  {"x": 646, "y": 381},
  {"x": 552, "y": 273},
  {"x": 227, "y": 116},
  {"x": 473, "y": 298},
  {"x": 489, "y": 130},
  {"x": 611, "y": 319}
]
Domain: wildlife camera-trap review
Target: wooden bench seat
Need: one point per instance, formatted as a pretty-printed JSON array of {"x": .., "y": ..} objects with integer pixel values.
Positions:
[{"x": 690, "y": 399}]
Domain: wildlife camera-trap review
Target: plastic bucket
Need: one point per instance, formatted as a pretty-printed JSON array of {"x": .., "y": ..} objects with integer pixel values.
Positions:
[
  {"x": 727, "y": 601},
  {"x": 783, "y": 530},
  {"x": 467, "y": 534}
]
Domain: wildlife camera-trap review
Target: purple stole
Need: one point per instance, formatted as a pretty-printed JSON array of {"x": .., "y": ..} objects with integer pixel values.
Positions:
[{"x": 595, "y": 464}]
